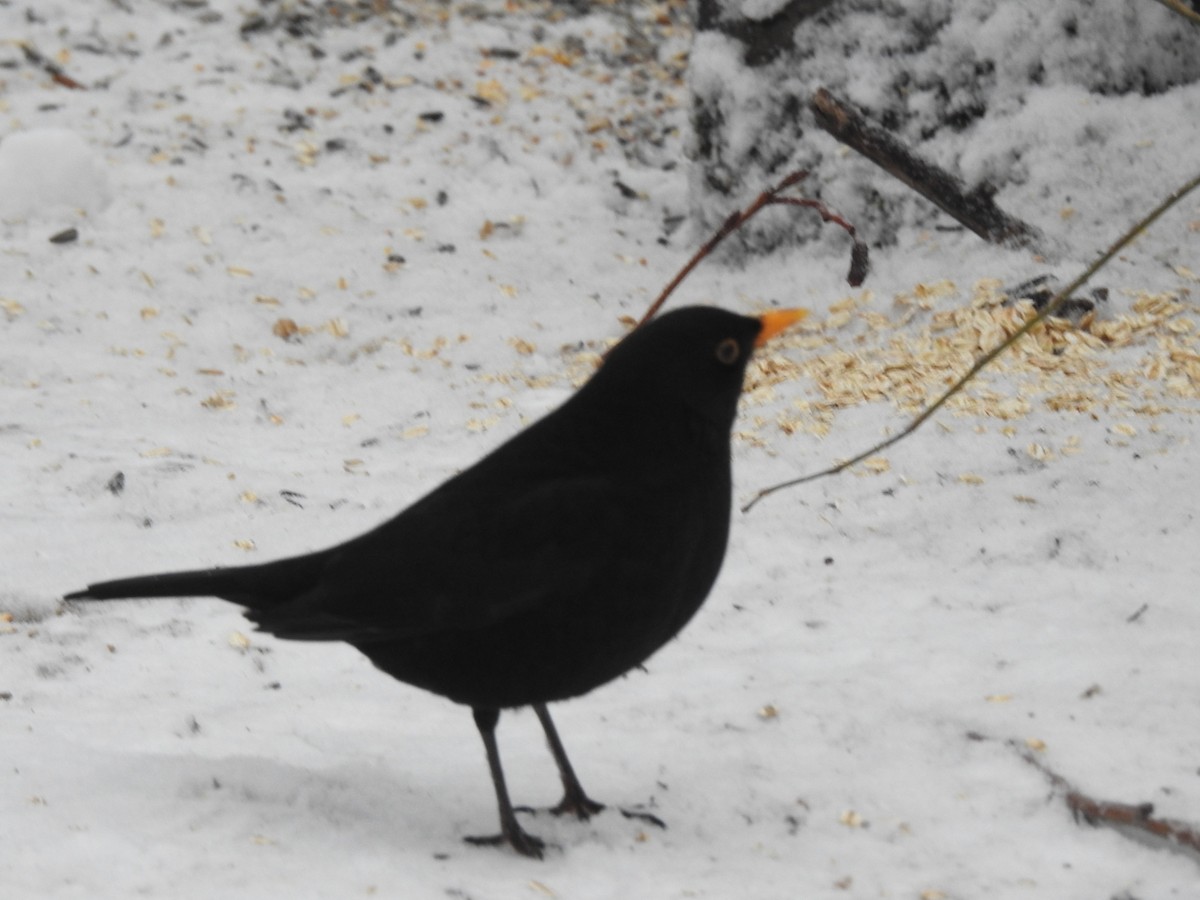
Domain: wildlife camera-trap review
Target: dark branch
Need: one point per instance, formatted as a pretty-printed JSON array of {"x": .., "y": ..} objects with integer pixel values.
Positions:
[{"x": 974, "y": 209}]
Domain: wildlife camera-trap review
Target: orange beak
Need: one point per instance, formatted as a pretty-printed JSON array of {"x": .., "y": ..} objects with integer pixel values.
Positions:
[{"x": 776, "y": 321}]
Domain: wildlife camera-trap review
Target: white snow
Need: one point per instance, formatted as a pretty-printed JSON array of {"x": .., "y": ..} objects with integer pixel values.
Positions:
[
  {"x": 806, "y": 736},
  {"x": 49, "y": 171}
]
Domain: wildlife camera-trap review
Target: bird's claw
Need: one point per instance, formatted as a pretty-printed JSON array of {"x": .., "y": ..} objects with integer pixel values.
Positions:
[
  {"x": 648, "y": 818},
  {"x": 584, "y": 807},
  {"x": 580, "y": 805},
  {"x": 520, "y": 840}
]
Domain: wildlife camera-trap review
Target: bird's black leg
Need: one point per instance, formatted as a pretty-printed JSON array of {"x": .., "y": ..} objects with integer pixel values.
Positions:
[
  {"x": 574, "y": 800},
  {"x": 510, "y": 832}
]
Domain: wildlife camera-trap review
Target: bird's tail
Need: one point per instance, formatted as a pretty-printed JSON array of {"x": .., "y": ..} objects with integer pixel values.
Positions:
[{"x": 256, "y": 587}]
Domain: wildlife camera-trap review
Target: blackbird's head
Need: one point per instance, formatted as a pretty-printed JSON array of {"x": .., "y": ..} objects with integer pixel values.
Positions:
[{"x": 696, "y": 355}]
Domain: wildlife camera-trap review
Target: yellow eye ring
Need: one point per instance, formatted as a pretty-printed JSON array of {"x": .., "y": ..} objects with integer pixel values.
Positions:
[{"x": 728, "y": 351}]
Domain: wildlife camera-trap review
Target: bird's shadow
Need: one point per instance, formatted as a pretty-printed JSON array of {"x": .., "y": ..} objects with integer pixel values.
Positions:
[{"x": 364, "y": 805}]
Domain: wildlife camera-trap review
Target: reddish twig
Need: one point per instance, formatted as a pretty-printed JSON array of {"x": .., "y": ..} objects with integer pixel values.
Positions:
[
  {"x": 859, "y": 255},
  {"x": 770, "y": 197},
  {"x": 51, "y": 68},
  {"x": 1095, "y": 812}
]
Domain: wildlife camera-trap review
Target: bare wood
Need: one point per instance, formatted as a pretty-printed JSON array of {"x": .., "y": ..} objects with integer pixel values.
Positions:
[
  {"x": 55, "y": 71},
  {"x": 1180, "y": 7},
  {"x": 1050, "y": 309},
  {"x": 974, "y": 209},
  {"x": 1139, "y": 816},
  {"x": 859, "y": 261}
]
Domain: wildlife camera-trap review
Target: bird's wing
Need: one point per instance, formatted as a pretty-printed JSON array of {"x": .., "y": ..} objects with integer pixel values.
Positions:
[{"x": 474, "y": 552}]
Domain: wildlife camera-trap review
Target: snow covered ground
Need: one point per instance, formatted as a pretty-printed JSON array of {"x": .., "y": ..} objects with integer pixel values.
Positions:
[{"x": 315, "y": 275}]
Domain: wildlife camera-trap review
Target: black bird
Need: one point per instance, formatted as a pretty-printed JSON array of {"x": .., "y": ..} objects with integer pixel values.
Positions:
[{"x": 559, "y": 561}]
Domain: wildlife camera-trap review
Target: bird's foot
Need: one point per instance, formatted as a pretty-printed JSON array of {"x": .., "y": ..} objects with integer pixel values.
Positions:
[
  {"x": 577, "y": 804},
  {"x": 584, "y": 807},
  {"x": 648, "y": 818},
  {"x": 516, "y": 837}
]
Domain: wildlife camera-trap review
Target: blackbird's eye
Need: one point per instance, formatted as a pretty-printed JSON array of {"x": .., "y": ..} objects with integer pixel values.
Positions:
[{"x": 728, "y": 351}]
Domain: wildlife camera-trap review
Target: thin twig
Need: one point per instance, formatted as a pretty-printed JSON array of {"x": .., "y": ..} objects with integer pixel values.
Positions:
[
  {"x": 769, "y": 197},
  {"x": 1096, "y": 812},
  {"x": 859, "y": 260},
  {"x": 1048, "y": 310},
  {"x": 1180, "y": 7},
  {"x": 55, "y": 71}
]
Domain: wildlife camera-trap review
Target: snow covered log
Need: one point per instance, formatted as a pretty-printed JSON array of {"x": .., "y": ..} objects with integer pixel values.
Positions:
[{"x": 969, "y": 85}]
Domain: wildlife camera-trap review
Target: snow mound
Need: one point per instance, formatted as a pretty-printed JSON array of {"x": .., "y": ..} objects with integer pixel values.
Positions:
[{"x": 47, "y": 171}]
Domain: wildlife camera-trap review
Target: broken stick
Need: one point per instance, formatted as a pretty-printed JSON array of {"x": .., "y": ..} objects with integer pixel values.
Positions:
[
  {"x": 55, "y": 71},
  {"x": 974, "y": 209},
  {"x": 1138, "y": 816}
]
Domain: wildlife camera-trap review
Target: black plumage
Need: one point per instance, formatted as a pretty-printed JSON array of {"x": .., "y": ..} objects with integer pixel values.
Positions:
[{"x": 559, "y": 561}]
